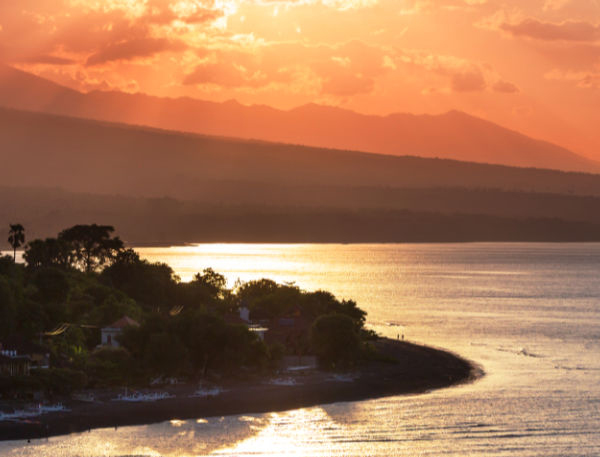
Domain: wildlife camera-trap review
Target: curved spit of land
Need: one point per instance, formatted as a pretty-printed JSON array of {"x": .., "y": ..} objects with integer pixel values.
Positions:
[{"x": 404, "y": 368}]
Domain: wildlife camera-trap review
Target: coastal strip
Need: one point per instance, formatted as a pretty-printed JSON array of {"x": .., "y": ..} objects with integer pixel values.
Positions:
[{"x": 403, "y": 368}]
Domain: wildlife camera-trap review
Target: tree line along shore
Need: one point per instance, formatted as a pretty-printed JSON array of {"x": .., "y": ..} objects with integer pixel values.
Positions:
[
  {"x": 84, "y": 315},
  {"x": 73, "y": 287}
]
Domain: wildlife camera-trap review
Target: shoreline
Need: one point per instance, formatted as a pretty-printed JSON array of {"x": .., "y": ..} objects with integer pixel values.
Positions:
[
  {"x": 417, "y": 369},
  {"x": 175, "y": 244}
]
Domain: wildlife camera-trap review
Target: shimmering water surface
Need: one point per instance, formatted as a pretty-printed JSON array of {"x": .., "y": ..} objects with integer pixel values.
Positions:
[{"x": 529, "y": 314}]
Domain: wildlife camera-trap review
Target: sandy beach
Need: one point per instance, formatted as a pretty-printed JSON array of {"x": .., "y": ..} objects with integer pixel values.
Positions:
[{"x": 415, "y": 369}]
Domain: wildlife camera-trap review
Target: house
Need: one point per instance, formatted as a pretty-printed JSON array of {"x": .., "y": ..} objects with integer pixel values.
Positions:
[
  {"x": 259, "y": 330},
  {"x": 245, "y": 314},
  {"x": 111, "y": 333},
  {"x": 291, "y": 331},
  {"x": 244, "y": 319},
  {"x": 12, "y": 364},
  {"x": 20, "y": 355}
]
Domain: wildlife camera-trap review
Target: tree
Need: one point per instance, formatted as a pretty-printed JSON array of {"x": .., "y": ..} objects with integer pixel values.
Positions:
[
  {"x": 8, "y": 309},
  {"x": 51, "y": 252},
  {"x": 92, "y": 245},
  {"x": 211, "y": 280},
  {"x": 16, "y": 237},
  {"x": 334, "y": 339},
  {"x": 165, "y": 354},
  {"x": 151, "y": 285}
]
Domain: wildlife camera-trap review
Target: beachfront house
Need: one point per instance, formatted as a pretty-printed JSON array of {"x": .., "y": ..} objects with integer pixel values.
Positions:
[
  {"x": 111, "y": 333},
  {"x": 13, "y": 364},
  {"x": 243, "y": 318},
  {"x": 18, "y": 356},
  {"x": 291, "y": 331}
]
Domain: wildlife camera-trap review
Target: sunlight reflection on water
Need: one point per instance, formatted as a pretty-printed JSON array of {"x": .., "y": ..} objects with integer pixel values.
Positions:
[{"x": 527, "y": 313}]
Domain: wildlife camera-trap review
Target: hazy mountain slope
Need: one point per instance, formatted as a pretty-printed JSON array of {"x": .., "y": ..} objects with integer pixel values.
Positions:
[
  {"x": 29, "y": 92},
  {"x": 45, "y": 150},
  {"x": 44, "y": 212},
  {"x": 452, "y": 135}
]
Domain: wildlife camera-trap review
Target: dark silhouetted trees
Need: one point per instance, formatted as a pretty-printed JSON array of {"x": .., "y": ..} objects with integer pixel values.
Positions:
[
  {"x": 84, "y": 279},
  {"x": 152, "y": 285},
  {"x": 87, "y": 247},
  {"x": 51, "y": 252},
  {"x": 335, "y": 340},
  {"x": 92, "y": 245}
]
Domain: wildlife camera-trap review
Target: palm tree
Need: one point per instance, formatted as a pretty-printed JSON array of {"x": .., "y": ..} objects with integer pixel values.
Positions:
[{"x": 16, "y": 237}]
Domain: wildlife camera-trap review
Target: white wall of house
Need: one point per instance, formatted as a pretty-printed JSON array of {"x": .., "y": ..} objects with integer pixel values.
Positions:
[
  {"x": 245, "y": 314},
  {"x": 110, "y": 335}
]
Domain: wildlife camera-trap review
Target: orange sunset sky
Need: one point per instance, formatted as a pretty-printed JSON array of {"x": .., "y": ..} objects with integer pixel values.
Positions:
[{"x": 530, "y": 65}]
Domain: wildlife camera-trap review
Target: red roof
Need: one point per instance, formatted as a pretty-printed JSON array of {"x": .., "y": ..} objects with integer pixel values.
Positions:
[{"x": 125, "y": 321}]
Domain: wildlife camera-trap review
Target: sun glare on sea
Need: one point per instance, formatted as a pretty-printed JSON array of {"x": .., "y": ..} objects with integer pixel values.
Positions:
[
  {"x": 298, "y": 432},
  {"x": 235, "y": 261}
]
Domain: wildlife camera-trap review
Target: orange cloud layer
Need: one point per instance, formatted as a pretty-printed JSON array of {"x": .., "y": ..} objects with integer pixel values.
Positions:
[{"x": 526, "y": 64}]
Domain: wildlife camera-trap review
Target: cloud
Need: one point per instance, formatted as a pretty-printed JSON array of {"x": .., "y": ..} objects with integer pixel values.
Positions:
[
  {"x": 157, "y": 11},
  {"x": 505, "y": 87},
  {"x": 96, "y": 32},
  {"x": 550, "y": 5},
  {"x": 462, "y": 75},
  {"x": 225, "y": 74},
  {"x": 415, "y": 7},
  {"x": 580, "y": 31},
  {"x": 583, "y": 79},
  {"x": 342, "y": 5},
  {"x": 570, "y": 55},
  {"x": 338, "y": 70},
  {"x": 349, "y": 4},
  {"x": 193, "y": 12},
  {"x": 469, "y": 80},
  {"x": 135, "y": 48}
]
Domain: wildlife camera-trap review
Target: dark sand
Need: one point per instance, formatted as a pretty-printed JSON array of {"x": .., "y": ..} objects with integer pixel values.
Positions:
[{"x": 417, "y": 369}]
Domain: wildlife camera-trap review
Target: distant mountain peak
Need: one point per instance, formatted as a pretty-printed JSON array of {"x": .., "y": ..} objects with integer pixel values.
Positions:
[
  {"x": 452, "y": 135},
  {"x": 232, "y": 102}
]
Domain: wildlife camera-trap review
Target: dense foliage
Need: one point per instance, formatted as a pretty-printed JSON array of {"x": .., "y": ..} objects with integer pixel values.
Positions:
[{"x": 73, "y": 285}]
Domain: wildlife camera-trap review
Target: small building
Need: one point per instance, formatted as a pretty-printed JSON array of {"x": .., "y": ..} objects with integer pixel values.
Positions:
[
  {"x": 291, "y": 331},
  {"x": 23, "y": 352},
  {"x": 243, "y": 318},
  {"x": 111, "y": 333},
  {"x": 245, "y": 314},
  {"x": 12, "y": 364},
  {"x": 259, "y": 330}
]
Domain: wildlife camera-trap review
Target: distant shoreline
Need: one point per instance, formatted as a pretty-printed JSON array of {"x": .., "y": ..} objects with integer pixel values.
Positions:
[
  {"x": 176, "y": 244},
  {"x": 416, "y": 369}
]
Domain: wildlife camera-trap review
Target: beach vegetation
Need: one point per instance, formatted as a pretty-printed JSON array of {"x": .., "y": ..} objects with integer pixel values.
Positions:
[{"x": 72, "y": 286}]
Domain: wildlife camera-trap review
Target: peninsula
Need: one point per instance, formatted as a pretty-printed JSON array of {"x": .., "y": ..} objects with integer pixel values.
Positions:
[
  {"x": 93, "y": 336},
  {"x": 406, "y": 369}
]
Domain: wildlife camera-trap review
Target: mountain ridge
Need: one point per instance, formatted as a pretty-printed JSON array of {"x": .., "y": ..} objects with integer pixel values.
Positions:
[
  {"x": 453, "y": 135},
  {"x": 105, "y": 157}
]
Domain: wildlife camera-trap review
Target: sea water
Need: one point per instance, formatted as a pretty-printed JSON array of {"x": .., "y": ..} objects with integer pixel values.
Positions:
[{"x": 527, "y": 313}]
